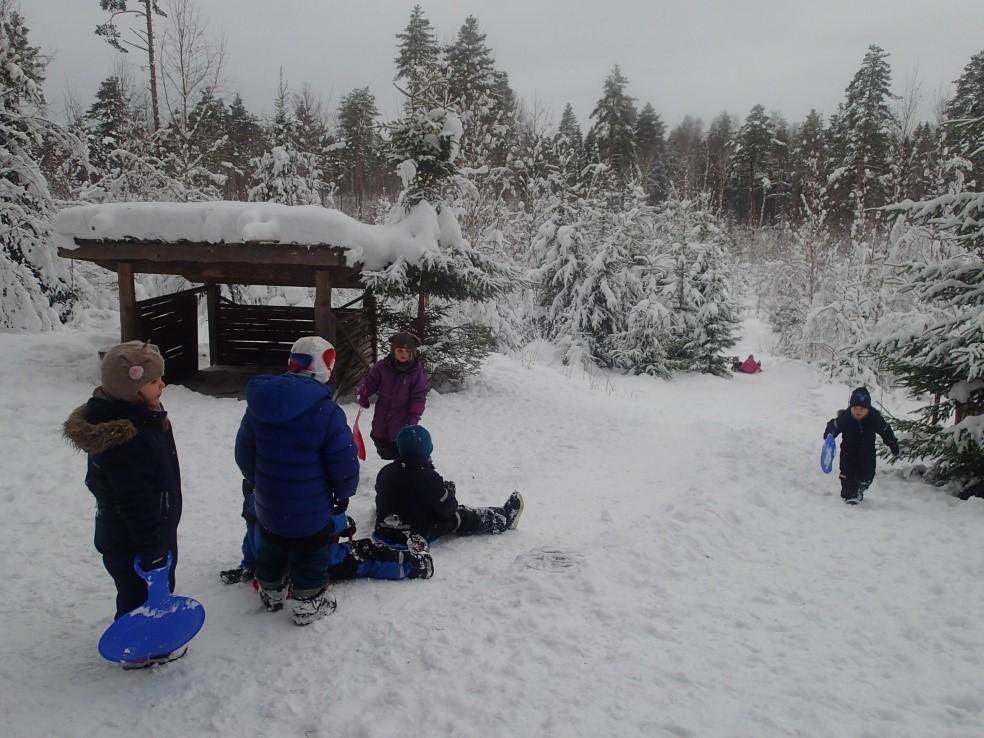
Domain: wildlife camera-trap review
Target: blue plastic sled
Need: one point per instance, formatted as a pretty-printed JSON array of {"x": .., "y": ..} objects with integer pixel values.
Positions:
[
  {"x": 828, "y": 453},
  {"x": 164, "y": 623}
]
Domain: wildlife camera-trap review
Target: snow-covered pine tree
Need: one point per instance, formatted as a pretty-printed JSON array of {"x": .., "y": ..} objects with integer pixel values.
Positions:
[
  {"x": 418, "y": 62},
  {"x": 719, "y": 145},
  {"x": 687, "y": 149},
  {"x": 937, "y": 351},
  {"x": 313, "y": 137},
  {"x": 483, "y": 98},
  {"x": 359, "y": 152},
  {"x": 190, "y": 149},
  {"x": 654, "y": 164},
  {"x": 35, "y": 285},
  {"x": 110, "y": 120},
  {"x": 614, "y": 130},
  {"x": 283, "y": 174},
  {"x": 244, "y": 143},
  {"x": 424, "y": 145},
  {"x": 569, "y": 143},
  {"x": 861, "y": 178},
  {"x": 752, "y": 162},
  {"x": 964, "y": 131},
  {"x": 697, "y": 287},
  {"x": 810, "y": 162}
]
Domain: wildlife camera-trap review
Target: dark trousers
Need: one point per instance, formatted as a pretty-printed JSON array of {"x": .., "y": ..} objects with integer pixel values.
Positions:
[
  {"x": 477, "y": 520},
  {"x": 386, "y": 449},
  {"x": 853, "y": 487},
  {"x": 305, "y": 562},
  {"x": 131, "y": 590},
  {"x": 467, "y": 521},
  {"x": 368, "y": 559}
]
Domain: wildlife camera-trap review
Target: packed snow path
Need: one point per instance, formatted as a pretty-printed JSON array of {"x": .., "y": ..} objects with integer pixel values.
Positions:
[{"x": 682, "y": 569}]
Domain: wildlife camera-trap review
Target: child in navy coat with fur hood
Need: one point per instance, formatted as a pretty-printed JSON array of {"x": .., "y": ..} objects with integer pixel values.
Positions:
[
  {"x": 132, "y": 471},
  {"x": 857, "y": 426}
]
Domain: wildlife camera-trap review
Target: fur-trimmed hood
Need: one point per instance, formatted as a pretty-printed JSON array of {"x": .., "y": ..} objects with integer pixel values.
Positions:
[{"x": 95, "y": 438}]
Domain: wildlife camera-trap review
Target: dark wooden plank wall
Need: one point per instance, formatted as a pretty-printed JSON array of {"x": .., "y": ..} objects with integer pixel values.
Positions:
[
  {"x": 354, "y": 327},
  {"x": 261, "y": 335},
  {"x": 171, "y": 323}
]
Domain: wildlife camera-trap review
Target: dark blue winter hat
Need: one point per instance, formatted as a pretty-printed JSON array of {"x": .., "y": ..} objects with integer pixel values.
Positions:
[
  {"x": 414, "y": 442},
  {"x": 860, "y": 398}
]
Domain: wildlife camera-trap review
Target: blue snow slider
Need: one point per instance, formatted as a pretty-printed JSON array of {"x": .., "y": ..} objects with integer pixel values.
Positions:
[
  {"x": 164, "y": 623},
  {"x": 828, "y": 453}
]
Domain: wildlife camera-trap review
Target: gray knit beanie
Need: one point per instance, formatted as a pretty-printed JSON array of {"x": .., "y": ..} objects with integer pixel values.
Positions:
[{"x": 129, "y": 366}]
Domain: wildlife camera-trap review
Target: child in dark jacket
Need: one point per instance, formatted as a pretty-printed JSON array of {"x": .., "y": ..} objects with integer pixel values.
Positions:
[
  {"x": 132, "y": 470},
  {"x": 401, "y": 384},
  {"x": 296, "y": 453},
  {"x": 412, "y": 498},
  {"x": 857, "y": 426}
]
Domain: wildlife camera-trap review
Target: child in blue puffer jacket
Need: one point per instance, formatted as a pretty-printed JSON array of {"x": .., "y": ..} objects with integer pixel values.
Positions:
[{"x": 295, "y": 451}]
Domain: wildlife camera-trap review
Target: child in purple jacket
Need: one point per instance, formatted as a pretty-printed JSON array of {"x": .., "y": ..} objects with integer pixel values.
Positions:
[{"x": 401, "y": 386}]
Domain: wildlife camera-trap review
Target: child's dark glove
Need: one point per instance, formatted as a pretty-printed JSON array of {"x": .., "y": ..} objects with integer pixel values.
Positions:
[
  {"x": 349, "y": 531},
  {"x": 895, "y": 451}
]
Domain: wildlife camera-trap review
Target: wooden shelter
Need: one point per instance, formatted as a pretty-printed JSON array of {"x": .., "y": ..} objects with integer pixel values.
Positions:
[{"x": 239, "y": 335}]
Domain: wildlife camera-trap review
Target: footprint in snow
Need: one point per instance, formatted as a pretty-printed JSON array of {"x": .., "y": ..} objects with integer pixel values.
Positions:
[{"x": 548, "y": 558}]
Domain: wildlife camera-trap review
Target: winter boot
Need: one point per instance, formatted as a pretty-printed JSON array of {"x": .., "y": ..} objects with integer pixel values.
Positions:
[
  {"x": 237, "y": 575},
  {"x": 513, "y": 509},
  {"x": 418, "y": 561},
  {"x": 154, "y": 660},
  {"x": 273, "y": 598},
  {"x": 308, "y": 609}
]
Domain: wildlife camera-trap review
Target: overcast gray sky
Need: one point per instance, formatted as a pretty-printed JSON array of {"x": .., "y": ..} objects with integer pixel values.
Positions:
[{"x": 695, "y": 57}]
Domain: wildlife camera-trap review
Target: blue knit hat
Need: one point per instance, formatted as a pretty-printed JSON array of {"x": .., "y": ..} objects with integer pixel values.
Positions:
[
  {"x": 414, "y": 442},
  {"x": 860, "y": 398}
]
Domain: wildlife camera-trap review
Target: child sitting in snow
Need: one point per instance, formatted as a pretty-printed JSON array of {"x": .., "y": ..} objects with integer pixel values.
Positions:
[
  {"x": 748, "y": 366},
  {"x": 857, "y": 425},
  {"x": 132, "y": 470},
  {"x": 412, "y": 498},
  {"x": 401, "y": 384}
]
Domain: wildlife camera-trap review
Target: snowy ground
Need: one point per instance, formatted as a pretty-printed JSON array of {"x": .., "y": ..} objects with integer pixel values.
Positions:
[{"x": 682, "y": 569}]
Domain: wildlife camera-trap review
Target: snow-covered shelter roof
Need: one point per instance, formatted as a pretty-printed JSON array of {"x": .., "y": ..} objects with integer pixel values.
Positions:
[{"x": 259, "y": 243}]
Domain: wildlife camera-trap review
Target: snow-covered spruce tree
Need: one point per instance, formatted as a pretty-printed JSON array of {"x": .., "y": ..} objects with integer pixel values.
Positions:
[
  {"x": 481, "y": 94},
  {"x": 751, "y": 166},
  {"x": 424, "y": 145},
  {"x": 614, "y": 130},
  {"x": 697, "y": 287},
  {"x": 862, "y": 134},
  {"x": 560, "y": 252},
  {"x": 654, "y": 164},
  {"x": 937, "y": 351},
  {"x": 418, "y": 62},
  {"x": 243, "y": 144},
  {"x": 283, "y": 174},
  {"x": 313, "y": 136},
  {"x": 358, "y": 154},
  {"x": 964, "y": 131},
  {"x": 35, "y": 286}
]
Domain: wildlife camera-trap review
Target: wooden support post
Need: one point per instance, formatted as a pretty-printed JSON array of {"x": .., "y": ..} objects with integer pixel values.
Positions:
[
  {"x": 369, "y": 308},
  {"x": 129, "y": 318},
  {"x": 324, "y": 320},
  {"x": 212, "y": 298}
]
